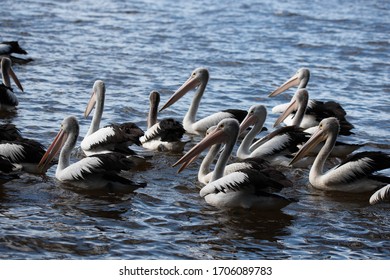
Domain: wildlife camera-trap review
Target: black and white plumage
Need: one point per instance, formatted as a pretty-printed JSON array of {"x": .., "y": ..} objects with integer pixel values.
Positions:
[
  {"x": 23, "y": 153},
  {"x": 100, "y": 171},
  {"x": 199, "y": 79},
  {"x": 245, "y": 188},
  {"x": 355, "y": 174},
  {"x": 164, "y": 135},
  {"x": 316, "y": 110},
  {"x": 113, "y": 137},
  {"x": 297, "y": 109},
  {"x": 276, "y": 147},
  {"x": 8, "y": 99},
  {"x": 12, "y": 47},
  {"x": 7, "y": 170},
  {"x": 381, "y": 195}
]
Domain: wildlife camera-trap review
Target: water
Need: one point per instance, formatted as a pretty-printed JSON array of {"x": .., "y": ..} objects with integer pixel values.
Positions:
[{"x": 249, "y": 49}]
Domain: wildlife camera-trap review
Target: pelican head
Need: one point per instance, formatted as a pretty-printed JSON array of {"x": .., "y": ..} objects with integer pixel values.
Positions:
[
  {"x": 69, "y": 125},
  {"x": 226, "y": 129},
  {"x": 7, "y": 71},
  {"x": 301, "y": 78},
  {"x": 299, "y": 101},
  {"x": 327, "y": 128},
  {"x": 98, "y": 93},
  {"x": 199, "y": 76},
  {"x": 154, "y": 98},
  {"x": 256, "y": 113}
]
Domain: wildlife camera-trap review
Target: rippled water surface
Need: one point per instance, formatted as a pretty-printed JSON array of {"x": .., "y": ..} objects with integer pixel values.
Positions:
[{"x": 249, "y": 47}]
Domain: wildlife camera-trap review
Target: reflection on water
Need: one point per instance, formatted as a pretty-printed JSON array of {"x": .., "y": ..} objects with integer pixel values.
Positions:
[{"x": 249, "y": 49}]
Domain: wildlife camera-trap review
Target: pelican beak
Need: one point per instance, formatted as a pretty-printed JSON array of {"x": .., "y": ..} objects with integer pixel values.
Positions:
[
  {"x": 247, "y": 122},
  {"x": 90, "y": 105},
  {"x": 52, "y": 151},
  {"x": 314, "y": 140},
  {"x": 15, "y": 78},
  {"x": 216, "y": 136},
  {"x": 187, "y": 163},
  {"x": 290, "y": 109},
  {"x": 191, "y": 83},
  {"x": 293, "y": 81}
]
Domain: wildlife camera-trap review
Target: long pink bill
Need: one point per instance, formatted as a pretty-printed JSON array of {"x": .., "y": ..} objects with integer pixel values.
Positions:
[
  {"x": 290, "y": 109},
  {"x": 52, "y": 151},
  {"x": 90, "y": 105},
  {"x": 15, "y": 78},
  {"x": 314, "y": 140},
  {"x": 214, "y": 137},
  {"x": 293, "y": 81},
  {"x": 186, "y": 87}
]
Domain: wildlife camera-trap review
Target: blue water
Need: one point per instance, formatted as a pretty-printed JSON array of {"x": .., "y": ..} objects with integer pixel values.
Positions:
[{"x": 250, "y": 48}]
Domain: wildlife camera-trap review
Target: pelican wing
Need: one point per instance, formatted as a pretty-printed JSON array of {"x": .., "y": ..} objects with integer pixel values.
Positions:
[
  {"x": 11, "y": 47},
  {"x": 96, "y": 164},
  {"x": 380, "y": 195},
  {"x": 361, "y": 165},
  {"x": 243, "y": 181},
  {"x": 7, "y": 96},
  {"x": 24, "y": 150},
  {"x": 322, "y": 110},
  {"x": 168, "y": 130}
]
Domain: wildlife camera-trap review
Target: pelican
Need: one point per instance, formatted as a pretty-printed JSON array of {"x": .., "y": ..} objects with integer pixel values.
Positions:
[
  {"x": 25, "y": 153},
  {"x": 298, "y": 105},
  {"x": 245, "y": 188},
  {"x": 316, "y": 110},
  {"x": 10, "y": 47},
  {"x": 113, "y": 137},
  {"x": 205, "y": 174},
  {"x": 8, "y": 99},
  {"x": 276, "y": 147},
  {"x": 165, "y": 135},
  {"x": 100, "y": 171},
  {"x": 199, "y": 78},
  {"x": 354, "y": 174},
  {"x": 19, "y": 151},
  {"x": 381, "y": 195}
]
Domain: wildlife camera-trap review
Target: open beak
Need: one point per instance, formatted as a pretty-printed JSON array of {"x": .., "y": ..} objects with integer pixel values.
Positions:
[
  {"x": 15, "y": 78},
  {"x": 293, "y": 81},
  {"x": 90, "y": 105},
  {"x": 290, "y": 109},
  {"x": 314, "y": 140},
  {"x": 52, "y": 151},
  {"x": 191, "y": 83},
  {"x": 216, "y": 136}
]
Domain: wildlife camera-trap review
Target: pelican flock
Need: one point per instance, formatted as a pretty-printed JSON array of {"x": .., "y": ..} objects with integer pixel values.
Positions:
[
  {"x": 246, "y": 188},
  {"x": 316, "y": 110},
  {"x": 252, "y": 173}
]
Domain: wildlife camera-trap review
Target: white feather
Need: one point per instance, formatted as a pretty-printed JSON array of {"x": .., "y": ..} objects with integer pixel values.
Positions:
[
  {"x": 75, "y": 170},
  {"x": 381, "y": 195},
  {"x": 97, "y": 137},
  {"x": 224, "y": 184},
  {"x": 13, "y": 152}
]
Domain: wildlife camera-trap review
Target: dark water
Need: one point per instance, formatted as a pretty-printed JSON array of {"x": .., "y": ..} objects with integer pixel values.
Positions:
[{"x": 250, "y": 47}]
